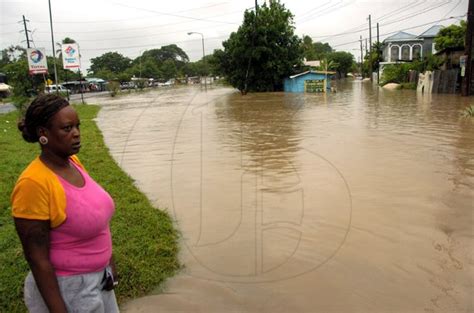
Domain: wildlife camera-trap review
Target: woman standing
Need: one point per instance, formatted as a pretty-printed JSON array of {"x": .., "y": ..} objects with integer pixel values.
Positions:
[{"x": 62, "y": 217}]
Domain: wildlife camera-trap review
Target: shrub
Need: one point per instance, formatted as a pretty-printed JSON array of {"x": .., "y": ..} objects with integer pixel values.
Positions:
[
  {"x": 395, "y": 73},
  {"x": 408, "y": 86},
  {"x": 469, "y": 111},
  {"x": 113, "y": 87}
]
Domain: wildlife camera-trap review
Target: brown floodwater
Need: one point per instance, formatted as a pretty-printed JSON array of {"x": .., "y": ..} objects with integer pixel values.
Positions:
[{"x": 356, "y": 201}]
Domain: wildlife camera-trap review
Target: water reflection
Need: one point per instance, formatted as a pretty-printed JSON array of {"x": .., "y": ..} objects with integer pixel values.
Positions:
[{"x": 266, "y": 128}]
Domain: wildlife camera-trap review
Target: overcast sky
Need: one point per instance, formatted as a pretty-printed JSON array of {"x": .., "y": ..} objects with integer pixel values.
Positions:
[{"x": 131, "y": 27}]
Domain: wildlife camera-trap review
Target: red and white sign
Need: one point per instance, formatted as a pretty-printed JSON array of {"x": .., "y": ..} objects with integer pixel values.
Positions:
[
  {"x": 37, "y": 63},
  {"x": 71, "y": 58}
]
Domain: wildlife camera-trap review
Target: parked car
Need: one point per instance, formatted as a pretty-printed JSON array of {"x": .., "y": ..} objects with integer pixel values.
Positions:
[
  {"x": 126, "y": 85},
  {"x": 54, "y": 88}
]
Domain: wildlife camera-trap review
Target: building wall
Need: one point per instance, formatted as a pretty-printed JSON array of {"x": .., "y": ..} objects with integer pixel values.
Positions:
[
  {"x": 402, "y": 45},
  {"x": 428, "y": 46},
  {"x": 297, "y": 84}
]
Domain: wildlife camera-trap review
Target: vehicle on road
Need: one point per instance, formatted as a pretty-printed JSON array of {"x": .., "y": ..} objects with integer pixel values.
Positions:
[{"x": 54, "y": 88}]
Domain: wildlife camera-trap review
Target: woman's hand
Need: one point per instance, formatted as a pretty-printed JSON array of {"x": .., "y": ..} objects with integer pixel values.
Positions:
[
  {"x": 34, "y": 237},
  {"x": 111, "y": 277}
]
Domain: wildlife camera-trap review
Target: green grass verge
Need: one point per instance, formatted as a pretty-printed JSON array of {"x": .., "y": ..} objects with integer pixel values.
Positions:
[{"x": 145, "y": 242}]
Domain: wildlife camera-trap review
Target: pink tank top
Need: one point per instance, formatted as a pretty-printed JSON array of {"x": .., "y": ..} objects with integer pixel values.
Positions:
[{"x": 83, "y": 244}]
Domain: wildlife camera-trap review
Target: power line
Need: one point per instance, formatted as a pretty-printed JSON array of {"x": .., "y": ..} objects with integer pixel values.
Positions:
[
  {"x": 454, "y": 8},
  {"x": 390, "y": 33},
  {"x": 358, "y": 28},
  {"x": 410, "y": 15},
  {"x": 418, "y": 13},
  {"x": 175, "y": 15},
  {"x": 131, "y": 18},
  {"x": 139, "y": 28},
  {"x": 149, "y": 45},
  {"x": 326, "y": 11},
  {"x": 397, "y": 11},
  {"x": 310, "y": 11},
  {"x": 136, "y": 37}
]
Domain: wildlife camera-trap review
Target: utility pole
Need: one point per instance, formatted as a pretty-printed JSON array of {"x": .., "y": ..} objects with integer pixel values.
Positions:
[
  {"x": 370, "y": 47},
  {"x": 361, "y": 58},
  {"x": 26, "y": 32},
  {"x": 466, "y": 86},
  {"x": 378, "y": 55},
  {"x": 52, "y": 44}
]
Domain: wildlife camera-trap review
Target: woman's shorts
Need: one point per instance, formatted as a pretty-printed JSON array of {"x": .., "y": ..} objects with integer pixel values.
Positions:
[{"x": 81, "y": 293}]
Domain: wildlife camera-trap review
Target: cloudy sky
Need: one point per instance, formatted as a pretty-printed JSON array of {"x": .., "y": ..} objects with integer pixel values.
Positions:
[{"x": 131, "y": 27}]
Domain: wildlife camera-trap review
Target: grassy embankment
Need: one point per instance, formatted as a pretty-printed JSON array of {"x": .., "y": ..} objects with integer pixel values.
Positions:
[{"x": 145, "y": 242}]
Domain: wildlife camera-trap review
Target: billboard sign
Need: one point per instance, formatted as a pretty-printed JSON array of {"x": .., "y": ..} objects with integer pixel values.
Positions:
[
  {"x": 71, "y": 58},
  {"x": 37, "y": 61}
]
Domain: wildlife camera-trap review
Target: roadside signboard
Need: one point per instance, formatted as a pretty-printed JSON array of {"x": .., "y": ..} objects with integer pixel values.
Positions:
[
  {"x": 71, "y": 58},
  {"x": 314, "y": 85},
  {"x": 37, "y": 61}
]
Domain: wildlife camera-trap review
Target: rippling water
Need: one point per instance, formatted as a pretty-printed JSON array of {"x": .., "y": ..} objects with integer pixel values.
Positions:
[{"x": 358, "y": 201}]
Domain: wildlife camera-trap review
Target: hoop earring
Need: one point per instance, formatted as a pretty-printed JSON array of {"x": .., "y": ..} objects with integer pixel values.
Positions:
[{"x": 43, "y": 140}]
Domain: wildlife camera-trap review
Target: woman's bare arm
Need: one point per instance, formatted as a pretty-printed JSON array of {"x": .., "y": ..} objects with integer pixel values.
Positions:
[{"x": 34, "y": 236}]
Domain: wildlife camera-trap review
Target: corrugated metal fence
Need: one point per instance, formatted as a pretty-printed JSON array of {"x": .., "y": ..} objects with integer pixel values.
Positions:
[
  {"x": 438, "y": 81},
  {"x": 445, "y": 81}
]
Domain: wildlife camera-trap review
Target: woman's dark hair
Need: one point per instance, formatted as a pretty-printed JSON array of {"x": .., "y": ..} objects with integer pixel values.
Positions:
[{"x": 39, "y": 114}]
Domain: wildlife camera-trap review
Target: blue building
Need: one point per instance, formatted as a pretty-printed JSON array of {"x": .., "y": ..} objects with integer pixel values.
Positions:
[{"x": 309, "y": 81}]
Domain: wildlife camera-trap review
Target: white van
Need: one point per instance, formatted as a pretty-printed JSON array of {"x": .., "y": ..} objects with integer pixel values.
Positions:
[{"x": 53, "y": 88}]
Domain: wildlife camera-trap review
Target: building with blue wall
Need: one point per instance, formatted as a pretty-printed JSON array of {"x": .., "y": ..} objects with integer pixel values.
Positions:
[{"x": 310, "y": 81}]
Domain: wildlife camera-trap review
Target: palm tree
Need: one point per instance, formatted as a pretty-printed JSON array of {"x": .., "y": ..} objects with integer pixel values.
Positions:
[{"x": 327, "y": 65}]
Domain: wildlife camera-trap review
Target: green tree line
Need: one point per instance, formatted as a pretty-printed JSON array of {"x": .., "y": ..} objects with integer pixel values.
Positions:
[{"x": 257, "y": 57}]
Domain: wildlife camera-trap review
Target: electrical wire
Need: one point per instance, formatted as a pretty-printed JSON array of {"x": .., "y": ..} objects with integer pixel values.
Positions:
[
  {"x": 138, "y": 28},
  {"x": 310, "y": 11},
  {"x": 325, "y": 12},
  {"x": 408, "y": 28},
  {"x": 150, "y": 45},
  {"x": 454, "y": 8},
  {"x": 385, "y": 24},
  {"x": 130, "y": 18}
]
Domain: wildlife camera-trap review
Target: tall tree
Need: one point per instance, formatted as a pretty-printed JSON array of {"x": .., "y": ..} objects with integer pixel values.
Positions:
[
  {"x": 452, "y": 36},
  {"x": 343, "y": 62},
  {"x": 322, "y": 50},
  {"x": 169, "y": 52},
  {"x": 263, "y": 51},
  {"x": 12, "y": 54},
  {"x": 373, "y": 58},
  {"x": 308, "y": 48},
  {"x": 315, "y": 50},
  {"x": 112, "y": 61}
]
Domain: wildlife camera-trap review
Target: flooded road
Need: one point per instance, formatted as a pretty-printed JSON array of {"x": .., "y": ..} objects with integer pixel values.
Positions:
[{"x": 358, "y": 201}]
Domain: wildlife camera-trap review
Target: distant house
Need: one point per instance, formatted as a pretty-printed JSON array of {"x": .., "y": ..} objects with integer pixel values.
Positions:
[
  {"x": 309, "y": 81},
  {"x": 403, "y": 47},
  {"x": 315, "y": 63}
]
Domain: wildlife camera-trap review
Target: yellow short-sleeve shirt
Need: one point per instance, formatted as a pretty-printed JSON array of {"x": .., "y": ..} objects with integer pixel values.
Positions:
[{"x": 39, "y": 195}]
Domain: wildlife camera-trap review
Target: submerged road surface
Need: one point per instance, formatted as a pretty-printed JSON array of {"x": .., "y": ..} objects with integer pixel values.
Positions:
[{"x": 359, "y": 201}]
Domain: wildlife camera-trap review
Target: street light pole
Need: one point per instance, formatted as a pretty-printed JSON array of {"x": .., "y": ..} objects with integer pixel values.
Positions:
[
  {"x": 203, "y": 55},
  {"x": 52, "y": 43}
]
